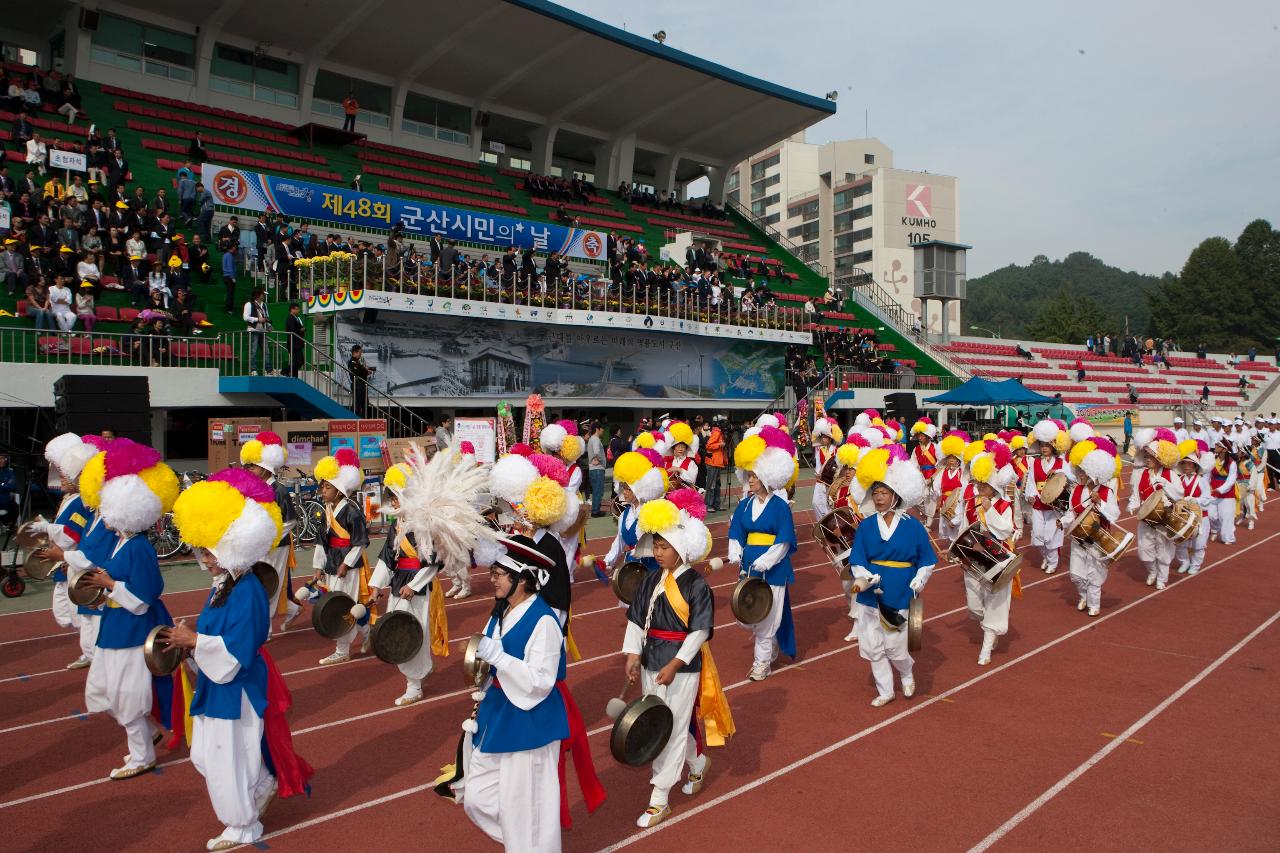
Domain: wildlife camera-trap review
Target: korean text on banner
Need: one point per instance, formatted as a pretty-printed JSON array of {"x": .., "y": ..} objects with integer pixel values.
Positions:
[
  {"x": 482, "y": 434},
  {"x": 248, "y": 190}
]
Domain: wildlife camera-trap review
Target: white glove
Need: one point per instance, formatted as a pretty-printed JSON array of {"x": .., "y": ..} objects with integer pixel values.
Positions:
[
  {"x": 490, "y": 650},
  {"x": 917, "y": 584}
]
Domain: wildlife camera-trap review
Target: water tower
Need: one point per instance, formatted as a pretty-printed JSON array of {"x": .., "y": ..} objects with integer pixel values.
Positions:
[{"x": 940, "y": 276}]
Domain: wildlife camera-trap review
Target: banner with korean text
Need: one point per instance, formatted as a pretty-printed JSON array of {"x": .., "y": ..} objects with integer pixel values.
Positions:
[{"x": 255, "y": 191}]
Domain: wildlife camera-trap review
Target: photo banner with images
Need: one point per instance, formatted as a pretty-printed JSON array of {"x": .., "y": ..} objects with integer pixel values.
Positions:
[{"x": 255, "y": 191}]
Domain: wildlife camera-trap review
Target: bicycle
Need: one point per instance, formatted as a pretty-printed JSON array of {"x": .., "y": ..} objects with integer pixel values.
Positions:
[
  {"x": 309, "y": 509},
  {"x": 163, "y": 535}
]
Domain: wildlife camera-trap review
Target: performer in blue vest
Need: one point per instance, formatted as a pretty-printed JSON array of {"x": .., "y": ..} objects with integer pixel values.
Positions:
[
  {"x": 762, "y": 538},
  {"x": 892, "y": 560},
  {"x": 130, "y": 488},
  {"x": 67, "y": 455},
  {"x": 240, "y": 742},
  {"x": 511, "y": 778}
]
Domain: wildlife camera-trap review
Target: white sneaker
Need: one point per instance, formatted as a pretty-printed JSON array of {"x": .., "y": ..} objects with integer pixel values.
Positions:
[
  {"x": 80, "y": 663},
  {"x": 1151, "y": 578},
  {"x": 1094, "y": 611},
  {"x": 908, "y": 687},
  {"x": 336, "y": 657},
  {"x": 1250, "y": 525},
  {"x": 881, "y": 701},
  {"x": 221, "y": 843},
  {"x": 1159, "y": 586},
  {"x": 851, "y": 636},
  {"x": 1194, "y": 571},
  {"x": 984, "y": 658},
  {"x": 1044, "y": 565},
  {"x": 1050, "y": 570},
  {"x": 289, "y": 617},
  {"x": 1081, "y": 604},
  {"x": 409, "y": 698},
  {"x": 988, "y": 646},
  {"x": 653, "y": 816},
  {"x": 759, "y": 672},
  {"x": 1182, "y": 570}
]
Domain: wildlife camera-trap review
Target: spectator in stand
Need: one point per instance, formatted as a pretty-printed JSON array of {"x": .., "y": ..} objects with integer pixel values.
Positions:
[
  {"x": 32, "y": 100},
  {"x": 350, "y": 108},
  {"x": 38, "y": 307},
  {"x": 229, "y": 281},
  {"x": 1128, "y": 431},
  {"x": 259, "y": 322},
  {"x": 186, "y": 197},
  {"x": 86, "y": 306},
  {"x": 87, "y": 271},
  {"x": 1244, "y": 386},
  {"x": 37, "y": 152},
  {"x": 117, "y": 169},
  {"x": 60, "y": 300},
  {"x": 1079, "y": 370},
  {"x": 196, "y": 150},
  {"x": 1133, "y": 395},
  {"x": 1253, "y": 354},
  {"x": 297, "y": 331},
  {"x": 444, "y": 433},
  {"x": 198, "y": 256},
  {"x": 229, "y": 236},
  {"x": 70, "y": 100},
  {"x": 13, "y": 267}
]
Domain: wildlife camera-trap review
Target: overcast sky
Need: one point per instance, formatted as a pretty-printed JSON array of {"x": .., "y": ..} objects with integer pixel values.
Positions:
[{"x": 1130, "y": 130}]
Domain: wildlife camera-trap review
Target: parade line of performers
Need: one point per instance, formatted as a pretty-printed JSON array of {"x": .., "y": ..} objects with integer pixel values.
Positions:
[{"x": 520, "y": 520}]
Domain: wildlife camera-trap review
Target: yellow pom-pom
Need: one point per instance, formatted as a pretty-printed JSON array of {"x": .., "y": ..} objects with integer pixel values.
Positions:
[
  {"x": 795, "y": 474},
  {"x": 877, "y": 421},
  {"x": 1167, "y": 453},
  {"x": 747, "y": 451},
  {"x": 1062, "y": 443},
  {"x": 397, "y": 477},
  {"x": 837, "y": 435},
  {"x": 681, "y": 433},
  {"x": 161, "y": 480},
  {"x": 872, "y": 467},
  {"x": 951, "y": 445},
  {"x": 1080, "y": 451},
  {"x": 251, "y": 452},
  {"x": 666, "y": 480},
  {"x": 657, "y": 516},
  {"x": 989, "y": 436},
  {"x": 204, "y": 512},
  {"x": 645, "y": 440},
  {"x": 1018, "y": 442},
  {"x": 273, "y": 510},
  {"x": 1188, "y": 448},
  {"x": 847, "y": 455},
  {"x": 326, "y": 469},
  {"x": 92, "y": 476},
  {"x": 572, "y": 448},
  {"x": 544, "y": 502},
  {"x": 983, "y": 467},
  {"x": 630, "y": 467},
  {"x": 1119, "y": 466},
  {"x": 972, "y": 449}
]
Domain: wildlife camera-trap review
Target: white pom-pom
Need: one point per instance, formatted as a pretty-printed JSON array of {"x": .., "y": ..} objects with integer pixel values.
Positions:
[
  {"x": 469, "y": 725},
  {"x": 1045, "y": 431},
  {"x": 511, "y": 476},
  {"x": 487, "y": 552},
  {"x": 551, "y": 438},
  {"x": 1080, "y": 431},
  {"x": 359, "y": 611},
  {"x": 715, "y": 564},
  {"x": 302, "y": 595},
  {"x": 477, "y": 695}
]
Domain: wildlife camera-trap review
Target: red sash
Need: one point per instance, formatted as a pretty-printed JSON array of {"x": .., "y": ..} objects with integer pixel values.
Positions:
[
  {"x": 673, "y": 636},
  {"x": 409, "y": 563},
  {"x": 577, "y": 747},
  {"x": 339, "y": 542}
]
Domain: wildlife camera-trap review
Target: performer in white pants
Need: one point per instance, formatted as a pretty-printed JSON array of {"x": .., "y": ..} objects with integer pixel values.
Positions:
[
  {"x": 892, "y": 560},
  {"x": 67, "y": 455},
  {"x": 1193, "y": 472},
  {"x": 1159, "y": 455},
  {"x": 1096, "y": 468},
  {"x": 1222, "y": 488},
  {"x": 846, "y": 491},
  {"x": 762, "y": 538},
  {"x": 339, "y": 558},
  {"x": 1021, "y": 465},
  {"x": 984, "y": 504},
  {"x": 951, "y": 478},
  {"x": 1051, "y": 441},
  {"x": 230, "y": 703},
  {"x": 925, "y": 455},
  {"x": 263, "y": 456},
  {"x": 669, "y": 626},
  {"x": 826, "y": 438}
]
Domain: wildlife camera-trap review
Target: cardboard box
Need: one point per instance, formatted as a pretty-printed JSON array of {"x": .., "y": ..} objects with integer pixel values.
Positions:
[
  {"x": 310, "y": 438},
  {"x": 227, "y": 434}
]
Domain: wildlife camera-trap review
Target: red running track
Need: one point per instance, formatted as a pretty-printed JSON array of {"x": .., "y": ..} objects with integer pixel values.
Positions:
[{"x": 1022, "y": 754}]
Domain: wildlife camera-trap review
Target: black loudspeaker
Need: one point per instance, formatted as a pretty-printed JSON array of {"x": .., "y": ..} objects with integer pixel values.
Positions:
[
  {"x": 89, "y": 19},
  {"x": 369, "y": 317},
  {"x": 901, "y": 406},
  {"x": 89, "y": 404}
]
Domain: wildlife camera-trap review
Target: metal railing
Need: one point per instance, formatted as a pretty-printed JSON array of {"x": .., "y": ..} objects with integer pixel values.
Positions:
[
  {"x": 842, "y": 378},
  {"x": 776, "y": 236},
  {"x": 326, "y": 275},
  {"x": 137, "y": 349}
]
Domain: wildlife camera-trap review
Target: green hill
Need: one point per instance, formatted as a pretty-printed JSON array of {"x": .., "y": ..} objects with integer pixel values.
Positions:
[{"x": 1012, "y": 300}]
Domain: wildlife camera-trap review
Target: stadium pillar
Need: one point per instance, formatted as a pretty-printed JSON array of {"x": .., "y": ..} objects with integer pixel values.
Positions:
[
  {"x": 307, "y": 89},
  {"x": 716, "y": 175},
  {"x": 542, "y": 141},
  {"x": 664, "y": 172},
  {"x": 78, "y": 43},
  {"x": 615, "y": 160}
]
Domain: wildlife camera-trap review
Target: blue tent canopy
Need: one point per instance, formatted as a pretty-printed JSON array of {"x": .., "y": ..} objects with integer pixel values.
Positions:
[{"x": 985, "y": 392}]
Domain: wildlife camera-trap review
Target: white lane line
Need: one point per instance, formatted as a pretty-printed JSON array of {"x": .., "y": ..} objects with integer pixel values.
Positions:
[
  {"x": 914, "y": 709},
  {"x": 1093, "y": 760}
]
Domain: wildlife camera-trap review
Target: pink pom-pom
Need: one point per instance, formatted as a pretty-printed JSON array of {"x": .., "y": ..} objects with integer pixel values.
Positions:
[
  {"x": 1105, "y": 444},
  {"x": 1061, "y": 425},
  {"x": 1201, "y": 446},
  {"x": 857, "y": 440},
  {"x": 889, "y": 435},
  {"x": 964, "y": 436},
  {"x": 550, "y": 467},
  {"x": 1000, "y": 452},
  {"x": 774, "y": 437},
  {"x": 654, "y": 457},
  {"x": 1075, "y": 421},
  {"x": 690, "y": 501},
  {"x": 347, "y": 456},
  {"x": 125, "y": 456},
  {"x": 97, "y": 441},
  {"x": 893, "y": 426},
  {"x": 570, "y": 427},
  {"x": 897, "y": 453},
  {"x": 520, "y": 449},
  {"x": 466, "y": 448},
  {"x": 245, "y": 483},
  {"x": 926, "y": 420},
  {"x": 871, "y": 413},
  {"x": 269, "y": 437},
  {"x": 1166, "y": 434}
]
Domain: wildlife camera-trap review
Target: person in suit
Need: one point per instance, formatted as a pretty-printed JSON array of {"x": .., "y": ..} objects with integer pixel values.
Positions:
[
  {"x": 297, "y": 332},
  {"x": 117, "y": 169}
]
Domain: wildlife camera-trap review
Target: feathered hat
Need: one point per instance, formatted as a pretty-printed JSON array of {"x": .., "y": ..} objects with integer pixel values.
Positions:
[
  {"x": 1197, "y": 452},
  {"x": 646, "y": 476},
  {"x": 677, "y": 518},
  {"x": 925, "y": 427},
  {"x": 851, "y": 451},
  {"x": 891, "y": 466},
  {"x": 770, "y": 455},
  {"x": 438, "y": 506},
  {"x": 69, "y": 453},
  {"x": 266, "y": 450},
  {"x": 1098, "y": 458},
  {"x": 828, "y": 426},
  {"x": 232, "y": 514},
  {"x": 1052, "y": 432},
  {"x": 679, "y": 432},
  {"x": 993, "y": 465},
  {"x": 1161, "y": 443},
  {"x": 655, "y": 440},
  {"x": 562, "y": 439},
  {"x": 1079, "y": 429},
  {"x": 342, "y": 469},
  {"x": 953, "y": 443},
  {"x": 128, "y": 486},
  {"x": 866, "y": 417},
  {"x": 396, "y": 479},
  {"x": 533, "y": 486}
]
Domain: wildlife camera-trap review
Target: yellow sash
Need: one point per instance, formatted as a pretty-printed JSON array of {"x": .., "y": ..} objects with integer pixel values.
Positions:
[
  {"x": 435, "y": 607},
  {"x": 365, "y": 572},
  {"x": 713, "y": 705},
  {"x": 570, "y": 646},
  {"x": 929, "y": 453},
  {"x": 893, "y": 564},
  {"x": 760, "y": 538}
]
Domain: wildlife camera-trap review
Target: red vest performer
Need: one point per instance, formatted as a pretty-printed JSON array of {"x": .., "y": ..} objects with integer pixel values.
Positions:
[{"x": 1041, "y": 473}]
